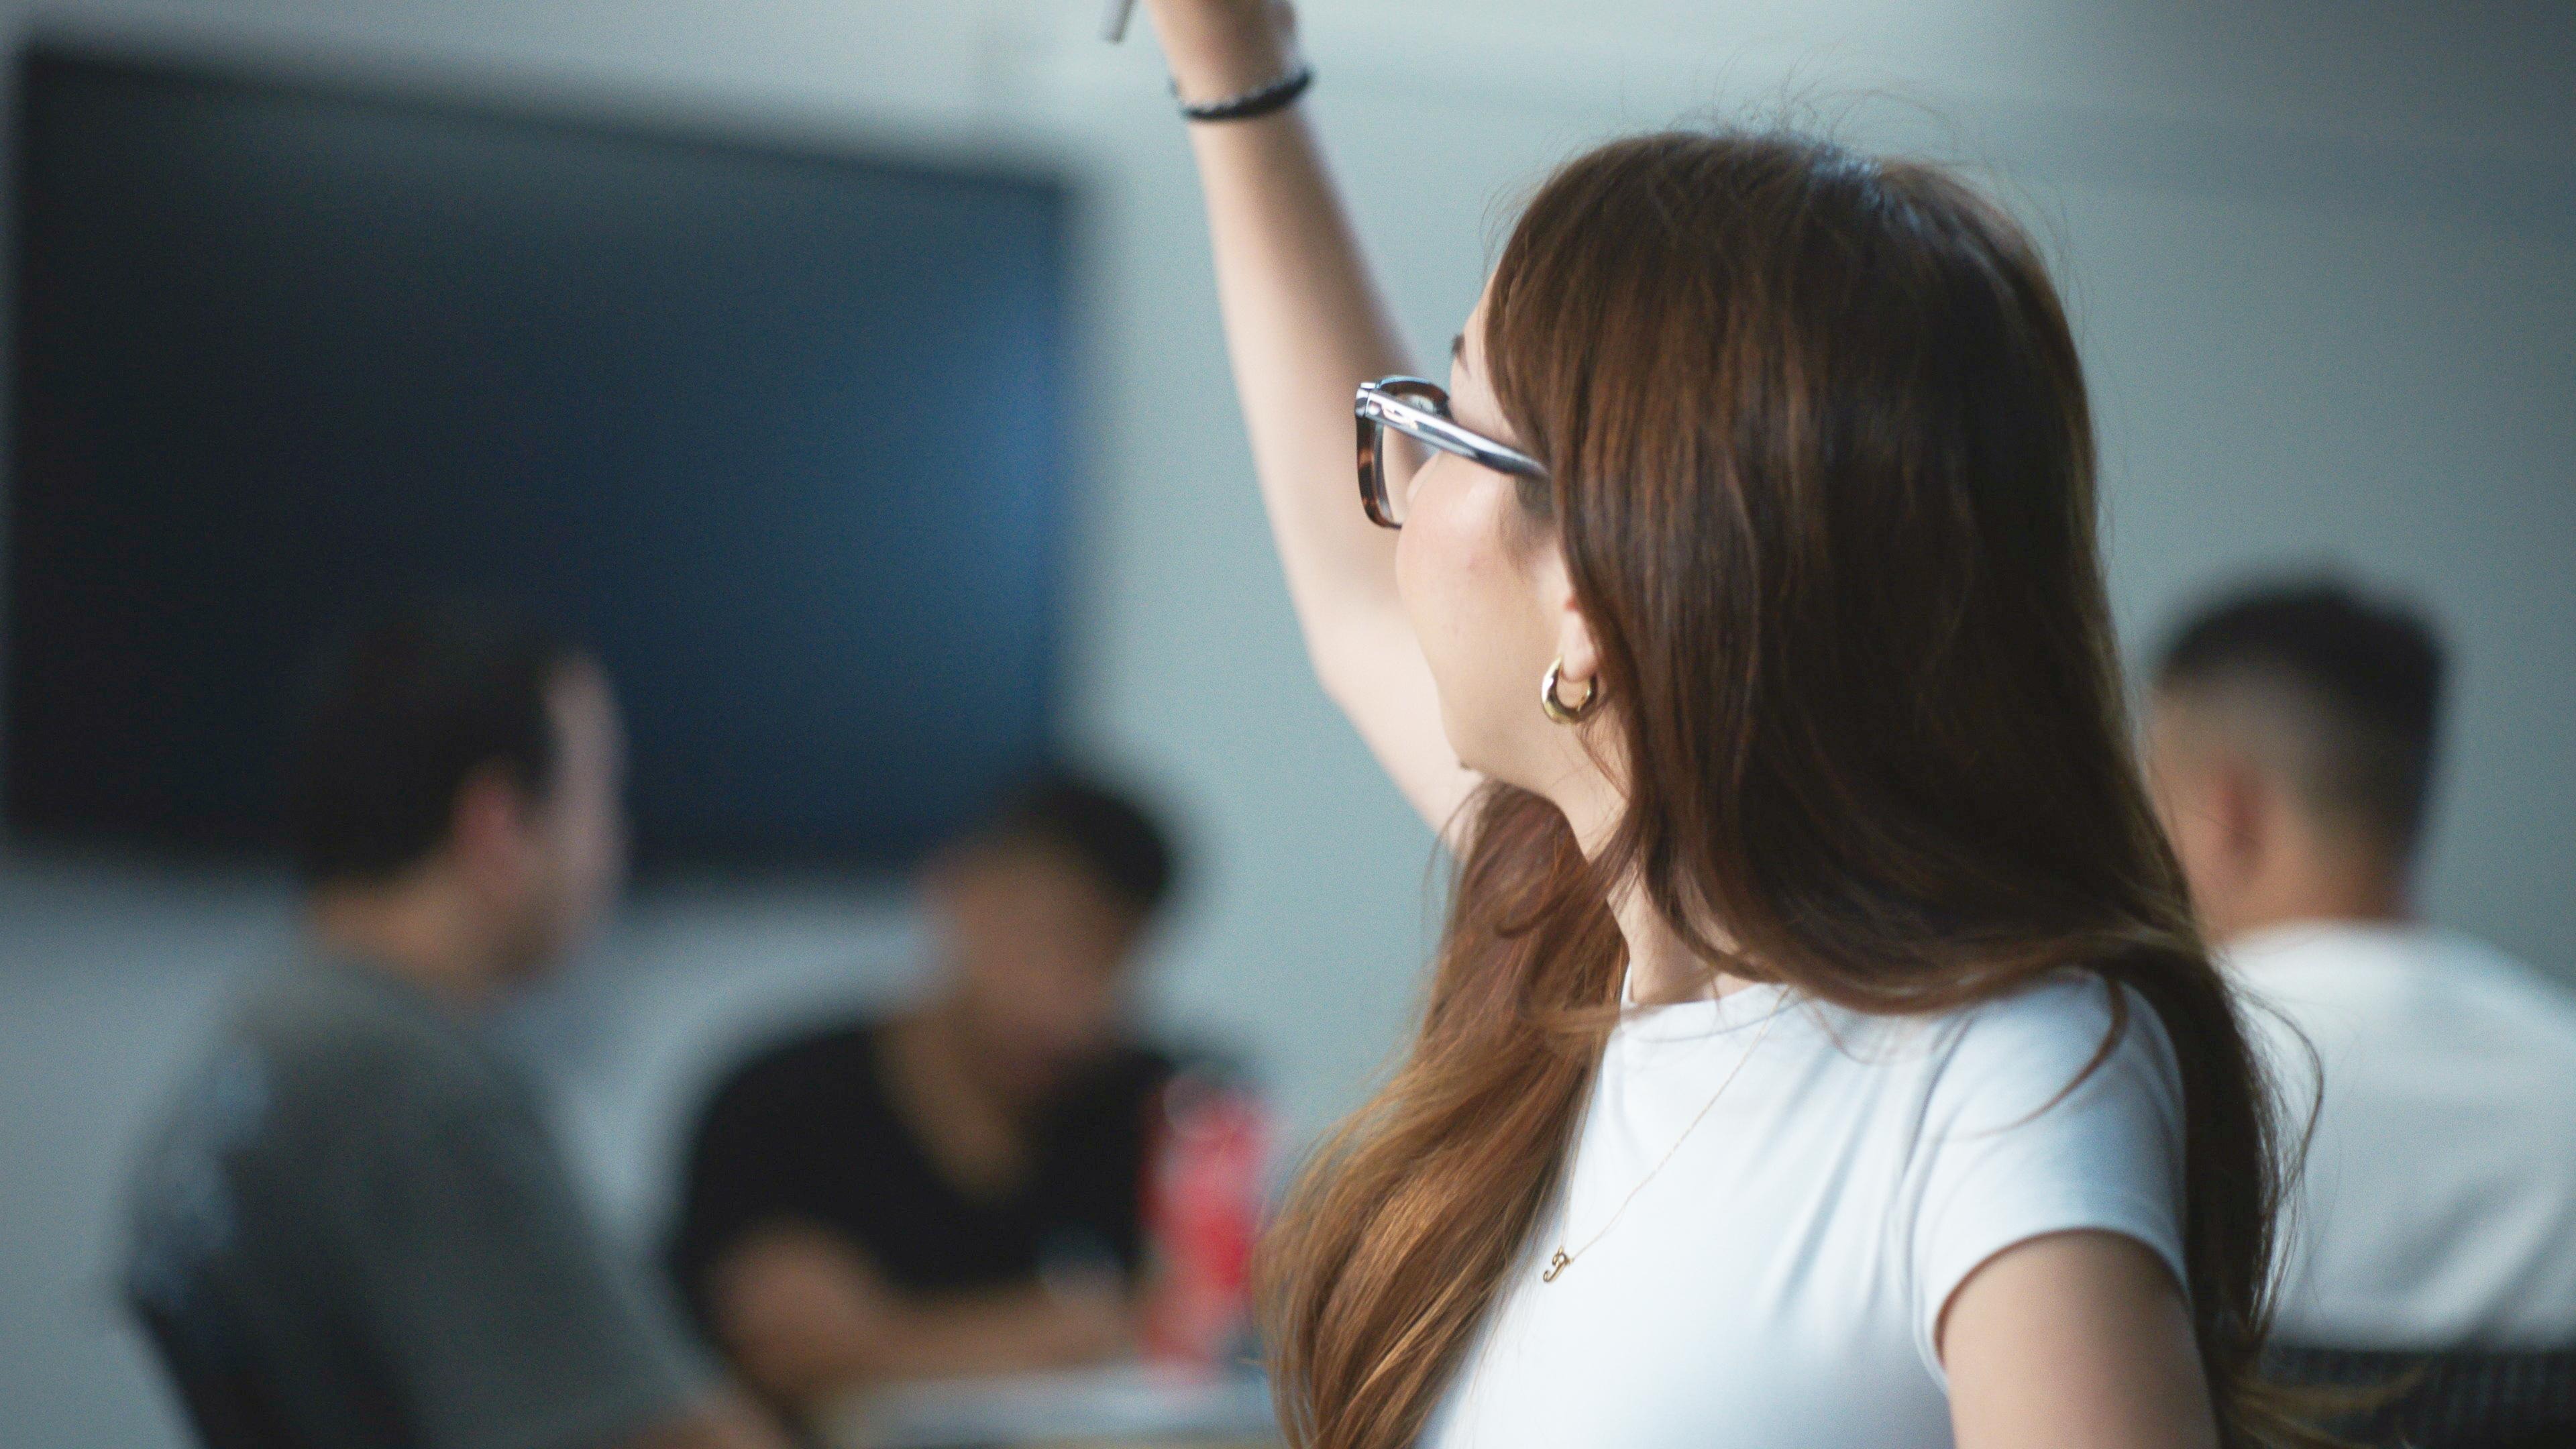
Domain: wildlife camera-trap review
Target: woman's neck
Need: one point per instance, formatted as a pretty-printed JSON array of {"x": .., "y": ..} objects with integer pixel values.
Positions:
[{"x": 1662, "y": 967}]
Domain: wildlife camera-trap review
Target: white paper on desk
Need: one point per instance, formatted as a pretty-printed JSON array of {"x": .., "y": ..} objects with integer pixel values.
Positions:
[{"x": 1124, "y": 1402}]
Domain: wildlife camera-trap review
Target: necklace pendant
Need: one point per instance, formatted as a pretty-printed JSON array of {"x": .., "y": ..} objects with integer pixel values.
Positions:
[{"x": 1556, "y": 1265}]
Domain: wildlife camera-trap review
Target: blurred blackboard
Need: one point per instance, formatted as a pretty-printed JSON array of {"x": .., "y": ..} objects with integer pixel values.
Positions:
[{"x": 782, "y": 434}]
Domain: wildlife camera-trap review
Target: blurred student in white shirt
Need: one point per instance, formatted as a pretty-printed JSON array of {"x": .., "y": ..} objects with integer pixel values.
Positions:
[{"x": 2291, "y": 743}]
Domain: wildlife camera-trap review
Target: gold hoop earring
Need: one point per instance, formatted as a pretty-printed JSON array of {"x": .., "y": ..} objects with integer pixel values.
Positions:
[{"x": 1557, "y": 709}]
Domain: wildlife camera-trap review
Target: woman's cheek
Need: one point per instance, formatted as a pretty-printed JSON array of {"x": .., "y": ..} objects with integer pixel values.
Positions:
[
  {"x": 1461, "y": 592},
  {"x": 1413, "y": 544},
  {"x": 1428, "y": 568}
]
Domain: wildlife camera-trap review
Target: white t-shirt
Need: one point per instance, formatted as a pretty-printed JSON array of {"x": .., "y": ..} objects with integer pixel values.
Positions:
[
  {"x": 2438, "y": 1209},
  {"x": 1777, "y": 1284}
]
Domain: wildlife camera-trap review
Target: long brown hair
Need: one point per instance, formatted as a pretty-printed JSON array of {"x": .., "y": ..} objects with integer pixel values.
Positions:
[{"x": 1823, "y": 473}]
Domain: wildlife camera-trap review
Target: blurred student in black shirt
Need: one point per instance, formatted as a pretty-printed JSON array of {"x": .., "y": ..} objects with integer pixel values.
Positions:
[{"x": 956, "y": 1189}]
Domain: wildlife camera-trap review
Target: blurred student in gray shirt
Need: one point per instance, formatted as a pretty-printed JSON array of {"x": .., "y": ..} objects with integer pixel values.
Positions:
[{"x": 354, "y": 1228}]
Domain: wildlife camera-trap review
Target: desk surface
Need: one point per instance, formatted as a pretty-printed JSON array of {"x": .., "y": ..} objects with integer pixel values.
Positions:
[{"x": 1123, "y": 1407}]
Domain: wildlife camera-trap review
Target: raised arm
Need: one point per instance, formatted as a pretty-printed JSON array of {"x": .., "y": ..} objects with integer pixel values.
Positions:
[{"x": 1305, "y": 327}]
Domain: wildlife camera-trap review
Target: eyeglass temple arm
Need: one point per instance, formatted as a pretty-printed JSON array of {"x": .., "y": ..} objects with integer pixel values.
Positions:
[{"x": 1401, "y": 413}]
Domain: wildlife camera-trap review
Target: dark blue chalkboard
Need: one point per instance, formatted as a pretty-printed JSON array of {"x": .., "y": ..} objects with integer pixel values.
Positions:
[{"x": 782, "y": 433}]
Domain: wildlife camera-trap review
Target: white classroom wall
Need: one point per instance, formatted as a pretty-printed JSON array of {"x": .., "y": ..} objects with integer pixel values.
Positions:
[{"x": 2323, "y": 261}]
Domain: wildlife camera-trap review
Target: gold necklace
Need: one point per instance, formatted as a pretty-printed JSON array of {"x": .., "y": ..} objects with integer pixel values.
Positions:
[{"x": 1563, "y": 1259}]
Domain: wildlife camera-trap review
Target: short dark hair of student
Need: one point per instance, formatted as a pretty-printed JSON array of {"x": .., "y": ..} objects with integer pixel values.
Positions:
[
  {"x": 1110, "y": 836},
  {"x": 2365, "y": 676},
  {"x": 396, "y": 722}
]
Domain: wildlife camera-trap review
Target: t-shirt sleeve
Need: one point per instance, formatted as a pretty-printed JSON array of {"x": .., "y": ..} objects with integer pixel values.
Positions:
[
  {"x": 487, "y": 1290},
  {"x": 2015, "y": 1147}
]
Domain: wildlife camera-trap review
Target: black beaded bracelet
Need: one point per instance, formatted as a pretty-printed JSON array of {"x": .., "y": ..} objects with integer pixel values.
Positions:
[{"x": 1261, "y": 100}]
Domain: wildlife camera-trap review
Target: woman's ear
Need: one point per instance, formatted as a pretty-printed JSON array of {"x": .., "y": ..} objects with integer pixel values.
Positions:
[{"x": 1578, "y": 655}]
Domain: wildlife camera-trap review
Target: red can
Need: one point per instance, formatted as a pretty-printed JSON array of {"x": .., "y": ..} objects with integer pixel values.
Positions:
[{"x": 1204, "y": 1198}]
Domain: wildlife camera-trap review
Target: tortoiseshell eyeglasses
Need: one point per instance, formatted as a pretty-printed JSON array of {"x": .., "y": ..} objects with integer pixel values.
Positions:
[{"x": 1418, "y": 409}]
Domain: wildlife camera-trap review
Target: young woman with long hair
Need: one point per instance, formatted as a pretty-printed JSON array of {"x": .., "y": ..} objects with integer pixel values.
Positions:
[{"x": 1820, "y": 1051}]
